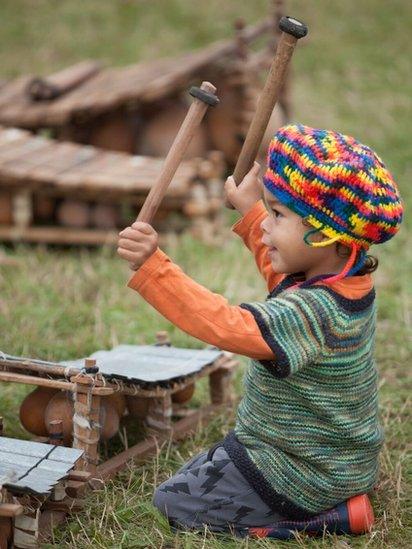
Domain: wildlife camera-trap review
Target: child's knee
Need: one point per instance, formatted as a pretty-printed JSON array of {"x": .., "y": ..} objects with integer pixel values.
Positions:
[{"x": 159, "y": 500}]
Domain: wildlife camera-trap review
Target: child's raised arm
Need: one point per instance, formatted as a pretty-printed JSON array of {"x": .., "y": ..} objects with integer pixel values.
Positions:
[
  {"x": 246, "y": 198},
  {"x": 191, "y": 307}
]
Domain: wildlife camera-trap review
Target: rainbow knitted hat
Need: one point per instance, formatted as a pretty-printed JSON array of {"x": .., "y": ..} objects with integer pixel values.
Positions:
[{"x": 336, "y": 183}]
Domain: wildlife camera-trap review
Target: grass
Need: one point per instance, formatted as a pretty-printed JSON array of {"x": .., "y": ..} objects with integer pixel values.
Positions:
[{"x": 352, "y": 75}]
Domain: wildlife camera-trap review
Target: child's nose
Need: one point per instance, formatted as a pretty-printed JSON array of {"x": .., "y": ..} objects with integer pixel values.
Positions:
[{"x": 264, "y": 225}]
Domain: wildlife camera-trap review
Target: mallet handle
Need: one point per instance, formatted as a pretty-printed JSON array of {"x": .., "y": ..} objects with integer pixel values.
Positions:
[
  {"x": 292, "y": 30},
  {"x": 203, "y": 97}
]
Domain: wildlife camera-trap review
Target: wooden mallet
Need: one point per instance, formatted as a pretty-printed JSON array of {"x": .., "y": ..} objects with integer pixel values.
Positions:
[
  {"x": 203, "y": 98},
  {"x": 292, "y": 30}
]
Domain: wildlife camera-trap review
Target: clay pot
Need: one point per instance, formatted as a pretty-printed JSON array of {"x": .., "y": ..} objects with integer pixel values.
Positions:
[
  {"x": 160, "y": 131},
  {"x": 184, "y": 395},
  {"x": 61, "y": 408},
  {"x": 137, "y": 406},
  {"x": 104, "y": 216},
  {"x": 114, "y": 132},
  {"x": 119, "y": 402},
  {"x": 109, "y": 419},
  {"x": 227, "y": 124},
  {"x": 33, "y": 408},
  {"x": 73, "y": 213}
]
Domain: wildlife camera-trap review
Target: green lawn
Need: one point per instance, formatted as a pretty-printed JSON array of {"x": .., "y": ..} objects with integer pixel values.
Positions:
[{"x": 353, "y": 75}]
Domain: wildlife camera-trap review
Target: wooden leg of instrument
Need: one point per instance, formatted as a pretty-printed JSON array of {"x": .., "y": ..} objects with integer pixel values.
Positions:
[{"x": 159, "y": 415}]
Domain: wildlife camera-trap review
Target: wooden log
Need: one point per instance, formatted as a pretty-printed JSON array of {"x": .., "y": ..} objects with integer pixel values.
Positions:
[
  {"x": 55, "y": 85},
  {"x": 33, "y": 408}
]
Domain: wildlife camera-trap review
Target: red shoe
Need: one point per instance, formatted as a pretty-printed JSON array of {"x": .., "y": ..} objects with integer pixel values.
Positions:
[{"x": 354, "y": 516}]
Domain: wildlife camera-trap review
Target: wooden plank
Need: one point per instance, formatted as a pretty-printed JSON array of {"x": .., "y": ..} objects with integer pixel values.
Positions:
[
  {"x": 27, "y": 148},
  {"x": 65, "y": 455},
  {"x": 25, "y": 447},
  {"x": 9, "y": 137},
  {"x": 19, "y": 460}
]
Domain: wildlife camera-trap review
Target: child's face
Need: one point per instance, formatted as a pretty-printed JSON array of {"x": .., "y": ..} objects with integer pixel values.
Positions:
[{"x": 283, "y": 233}]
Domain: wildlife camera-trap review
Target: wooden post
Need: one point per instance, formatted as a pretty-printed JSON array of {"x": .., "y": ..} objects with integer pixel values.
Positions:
[
  {"x": 163, "y": 339},
  {"x": 22, "y": 209},
  {"x": 159, "y": 416},
  {"x": 6, "y": 514},
  {"x": 220, "y": 381},
  {"x": 26, "y": 526},
  {"x": 1, "y": 426},
  {"x": 86, "y": 424}
]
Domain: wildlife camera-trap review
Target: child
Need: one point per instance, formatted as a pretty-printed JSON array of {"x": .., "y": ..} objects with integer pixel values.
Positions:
[{"x": 307, "y": 435}]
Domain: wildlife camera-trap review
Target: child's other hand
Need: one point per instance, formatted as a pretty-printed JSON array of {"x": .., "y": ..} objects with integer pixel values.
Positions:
[
  {"x": 137, "y": 243},
  {"x": 247, "y": 193}
]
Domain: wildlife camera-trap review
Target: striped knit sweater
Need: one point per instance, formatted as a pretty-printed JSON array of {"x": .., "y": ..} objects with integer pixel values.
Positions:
[{"x": 307, "y": 434}]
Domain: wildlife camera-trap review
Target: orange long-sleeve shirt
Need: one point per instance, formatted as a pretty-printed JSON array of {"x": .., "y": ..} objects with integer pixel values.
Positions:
[{"x": 208, "y": 316}]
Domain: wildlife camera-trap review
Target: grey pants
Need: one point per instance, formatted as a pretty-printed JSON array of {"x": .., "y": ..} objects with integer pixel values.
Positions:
[{"x": 209, "y": 490}]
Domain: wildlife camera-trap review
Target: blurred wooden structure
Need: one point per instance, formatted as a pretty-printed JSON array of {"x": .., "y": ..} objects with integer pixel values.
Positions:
[
  {"x": 63, "y": 186},
  {"x": 80, "y": 403},
  {"x": 65, "y": 193},
  {"x": 138, "y": 109}
]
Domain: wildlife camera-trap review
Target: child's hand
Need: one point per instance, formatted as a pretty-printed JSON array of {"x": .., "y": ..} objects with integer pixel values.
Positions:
[
  {"x": 247, "y": 193},
  {"x": 137, "y": 243}
]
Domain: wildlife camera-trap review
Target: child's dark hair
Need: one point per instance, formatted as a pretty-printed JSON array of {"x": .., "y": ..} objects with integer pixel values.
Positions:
[{"x": 371, "y": 262}]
